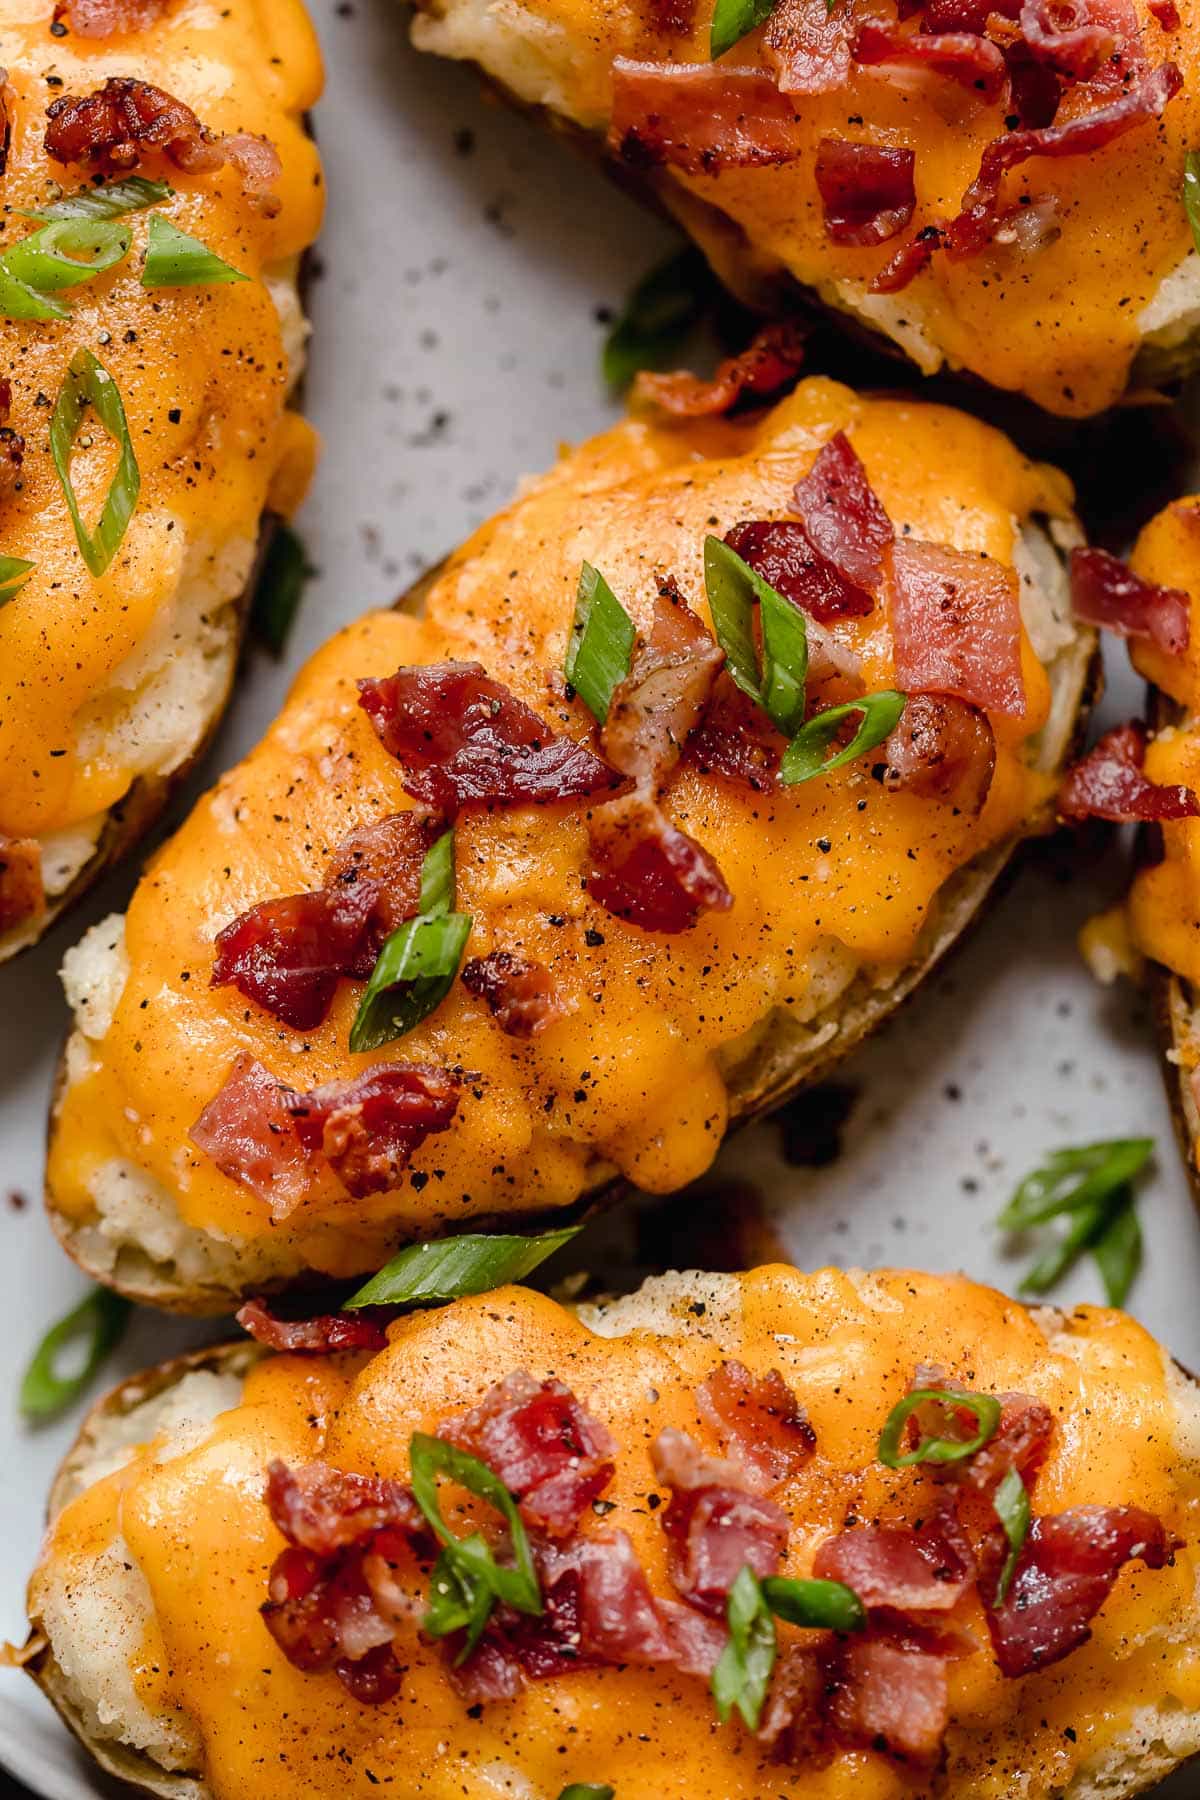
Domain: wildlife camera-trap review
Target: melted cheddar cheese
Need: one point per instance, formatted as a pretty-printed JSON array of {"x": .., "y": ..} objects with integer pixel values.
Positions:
[
  {"x": 196, "y": 1527},
  {"x": 828, "y": 878},
  {"x": 203, "y": 373}
]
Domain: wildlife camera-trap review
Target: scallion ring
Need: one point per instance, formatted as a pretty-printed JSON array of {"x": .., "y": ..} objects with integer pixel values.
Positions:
[
  {"x": 821, "y": 1605},
  {"x": 600, "y": 646},
  {"x": 448, "y": 1268},
  {"x": 173, "y": 259},
  {"x": 14, "y": 573},
  {"x": 52, "y": 258},
  {"x": 98, "y": 1322},
  {"x": 415, "y": 969},
  {"x": 88, "y": 382},
  {"x": 985, "y": 1409},
  {"x": 1011, "y": 1503},
  {"x": 805, "y": 756}
]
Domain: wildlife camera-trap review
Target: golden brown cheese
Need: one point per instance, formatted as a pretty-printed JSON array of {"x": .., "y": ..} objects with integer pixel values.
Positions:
[
  {"x": 197, "y": 1528},
  {"x": 631, "y": 1076},
  {"x": 1060, "y": 322},
  {"x": 202, "y": 372}
]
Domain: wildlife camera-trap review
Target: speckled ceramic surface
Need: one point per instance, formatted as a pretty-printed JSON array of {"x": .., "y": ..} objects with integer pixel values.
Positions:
[{"x": 464, "y": 273}]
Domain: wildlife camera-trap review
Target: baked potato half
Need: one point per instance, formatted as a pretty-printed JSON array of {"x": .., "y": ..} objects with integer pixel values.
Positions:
[
  {"x": 701, "y": 1426},
  {"x": 958, "y": 184},
  {"x": 665, "y": 931},
  {"x": 160, "y": 188}
]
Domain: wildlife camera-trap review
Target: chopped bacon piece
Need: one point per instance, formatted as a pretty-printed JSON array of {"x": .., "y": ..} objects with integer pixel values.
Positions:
[
  {"x": 714, "y": 1523},
  {"x": 317, "y": 1336},
  {"x": 965, "y": 15},
  {"x": 1035, "y": 92},
  {"x": 288, "y": 955},
  {"x": 1106, "y": 592},
  {"x": 1165, "y": 12},
  {"x": 22, "y": 895},
  {"x": 1064, "y": 1574},
  {"x": 701, "y": 117},
  {"x": 781, "y": 551},
  {"x": 619, "y": 1618},
  {"x": 1110, "y": 783},
  {"x": 518, "y": 993},
  {"x": 843, "y": 514},
  {"x": 648, "y": 872},
  {"x": 942, "y": 749},
  {"x": 248, "y": 1132},
  {"x": 909, "y": 261},
  {"x": 12, "y": 444},
  {"x": 465, "y": 739},
  {"x": 387, "y": 854},
  {"x": 962, "y": 56},
  {"x": 792, "y": 1721},
  {"x": 659, "y": 703},
  {"x": 759, "y": 1417},
  {"x": 867, "y": 192},
  {"x": 547, "y": 1450},
  {"x": 373, "y": 1678},
  {"x": 807, "y": 42},
  {"x": 674, "y": 18},
  {"x": 110, "y": 18},
  {"x": 1020, "y": 1440},
  {"x": 322, "y": 1509},
  {"x": 925, "y": 1570},
  {"x": 114, "y": 126},
  {"x": 772, "y": 359},
  {"x": 956, "y": 626},
  {"x": 258, "y": 163},
  {"x": 736, "y": 739},
  {"x": 1064, "y": 34},
  {"x": 367, "y": 1129},
  {"x": 883, "y": 1695}
]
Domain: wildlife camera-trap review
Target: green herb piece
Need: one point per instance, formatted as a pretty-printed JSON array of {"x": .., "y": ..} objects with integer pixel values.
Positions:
[
  {"x": 1117, "y": 1253},
  {"x": 88, "y": 382},
  {"x": 1011, "y": 1501},
  {"x": 14, "y": 573},
  {"x": 741, "y": 1676},
  {"x": 467, "y": 1580},
  {"x": 1090, "y": 1186},
  {"x": 805, "y": 755},
  {"x": 733, "y": 19},
  {"x": 587, "y": 1790},
  {"x": 733, "y": 588},
  {"x": 658, "y": 315},
  {"x": 823, "y": 1605},
  {"x": 99, "y": 1322},
  {"x": 448, "y": 1268},
  {"x": 50, "y": 259},
  {"x": 600, "y": 647},
  {"x": 985, "y": 1409},
  {"x": 108, "y": 201},
  {"x": 280, "y": 588},
  {"x": 1191, "y": 193},
  {"x": 418, "y": 963},
  {"x": 173, "y": 259}
]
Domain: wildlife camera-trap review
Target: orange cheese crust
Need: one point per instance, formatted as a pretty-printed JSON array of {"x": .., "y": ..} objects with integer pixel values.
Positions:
[
  {"x": 837, "y": 872},
  {"x": 202, "y": 372},
  {"x": 197, "y": 1529}
]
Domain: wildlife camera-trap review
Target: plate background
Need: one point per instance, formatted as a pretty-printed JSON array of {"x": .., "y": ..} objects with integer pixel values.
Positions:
[{"x": 462, "y": 266}]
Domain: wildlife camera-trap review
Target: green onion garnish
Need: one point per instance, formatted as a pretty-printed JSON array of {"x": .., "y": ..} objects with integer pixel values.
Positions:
[
  {"x": 741, "y": 1676},
  {"x": 822, "y": 1605},
  {"x": 1011, "y": 1502},
  {"x": 62, "y": 254},
  {"x": 449, "y": 1268},
  {"x": 1191, "y": 193},
  {"x": 662, "y": 309},
  {"x": 731, "y": 21},
  {"x": 1092, "y": 1188},
  {"x": 108, "y": 201},
  {"x": 14, "y": 573},
  {"x": 418, "y": 963},
  {"x": 1117, "y": 1253},
  {"x": 88, "y": 382},
  {"x": 587, "y": 1790},
  {"x": 984, "y": 1407},
  {"x": 467, "y": 1580},
  {"x": 733, "y": 588},
  {"x": 805, "y": 755},
  {"x": 600, "y": 647},
  {"x": 173, "y": 259},
  {"x": 280, "y": 587},
  {"x": 99, "y": 1321}
]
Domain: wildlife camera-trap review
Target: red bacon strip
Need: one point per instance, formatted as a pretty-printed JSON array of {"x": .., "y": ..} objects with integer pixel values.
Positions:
[
  {"x": 547, "y": 1450},
  {"x": 889, "y": 1696},
  {"x": 781, "y": 552},
  {"x": 843, "y": 515},
  {"x": 1106, "y": 592},
  {"x": 319, "y": 1336},
  {"x": 22, "y": 895},
  {"x": 648, "y": 872},
  {"x": 701, "y": 117},
  {"x": 367, "y": 1129},
  {"x": 736, "y": 739},
  {"x": 942, "y": 749},
  {"x": 117, "y": 124},
  {"x": 1020, "y": 1440},
  {"x": 1110, "y": 783},
  {"x": 759, "y": 1417},
  {"x": 1064, "y": 34},
  {"x": 963, "y": 15},
  {"x": 962, "y": 56},
  {"x": 956, "y": 626},
  {"x": 322, "y": 1509},
  {"x": 714, "y": 1524},
  {"x": 807, "y": 42},
  {"x": 773, "y": 358},
  {"x": 1063, "y": 1576},
  {"x": 867, "y": 192},
  {"x": 466, "y": 740},
  {"x": 247, "y": 1131},
  {"x": 915, "y": 1571},
  {"x": 518, "y": 993},
  {"x": 909, "y": 261},
  {"x": 387, "y": 854},
  {"x": 1165, "y": 13},
  {"x": 661, "y": 700},
  {"x": 288, "y": 955}
]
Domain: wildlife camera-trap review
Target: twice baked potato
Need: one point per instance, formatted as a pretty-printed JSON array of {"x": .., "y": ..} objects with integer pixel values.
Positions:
[
  {"x": 760, "y": 1429},
  {"x": 993, "y": 188},
  {"x": 659, "y": 929},
  {"x": 150, "y": 334}
]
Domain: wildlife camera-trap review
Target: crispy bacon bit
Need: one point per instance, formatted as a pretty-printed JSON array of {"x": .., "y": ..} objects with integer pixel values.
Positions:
[
  {"x": 619, "y": 1618},
  {"x": 867, "y": 192},
  {"x": 942, "y": 749},
  {"x": 367, "y": 1129},
  {"x": 674, "y": 18},
  {"x": 258, "y": 163},
  {"x": 808, "y": 44},
  {"x": 909, "y": 261},
  {"x": 386, "y": 855},
  {"x": 322, "y": 1509},
  {"x": 965, "y": 15},
  {"x": 889, "y": 1696},
  {"x": 1110, "y": 783},
  {"x": 701, "y": 117},
  {"x": 736, "y": 739},
  {"x": 317, "y": 1336},
  {"x": 714, "y": 1524},
  {"x": 518, "y": 993},
  {"x": 551, "y": 1454},
  {"x": 773, "y": 358},
  {"x": 110, "y": 18},
  {"x": 12, "y": 444},
  {"x": 843, "y": 514},
  {"x": 288, "y": 955},
  {"x": 374, "y": 1678},
  {"x": 962, "y": 56},
  {"x": 956, "y": 626},
  {"x": 1064, "y": 1574},
  {"x": 1165, "y": 12},
  {"x": 781, "y": 552},
  {"x": 113, "y": 128},
  {"x": 465, "y": 739},
  {"x": 1064, "y": 34},
  {"x": 919, "y": 1571},
  {"x": 661, "y": 700},
  {"x": 1106, "y": 592},
  {"x": 759, "y": 1417},
  {"x": 1020, "y": 1441},
  {"x": 792, "y": 1724},
  {"x": 22, "y": 895},
  {"x": 648, "y": 872},
  {"x": 248, "y": 1132}
]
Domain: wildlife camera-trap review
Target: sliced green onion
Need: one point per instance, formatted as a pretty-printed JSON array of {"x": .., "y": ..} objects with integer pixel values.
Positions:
[
  {"x": 280, "y": 587},
  {"x": 1074, "y": 1178},
  {"x": 14, "y": 573},
  {"x": 741, "y": 1676},
  {"x": 20, "y": 302},
  {"x": 985, "y": 1409},
  {"x": 733, "y": 19},
  {"x": 448, "y": 1268},
  {"x": 418, "y": 963},
  {"x": 88, "y": 382},
  {"x": 587, "y": 1790},
  {"x": 1011, "y": 1501},
  {"x": 662, "y": 309},
  {"x": 1117, "y": 1253},
  {"x": 733, "y": 588},
  {"x": 467, "y": 1580},
  {"x": 108, "y": 201},
  {"x": 99, "y": 1321},
  {"x": 1191, "y": 193},
  {"x": 600, "y": 647},
  {"x": 805, "y": 755},
  {"x": 173, "y": 259},
  {"x": 50, "y": 259},
  {"x": 823, "y": 1605}
]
